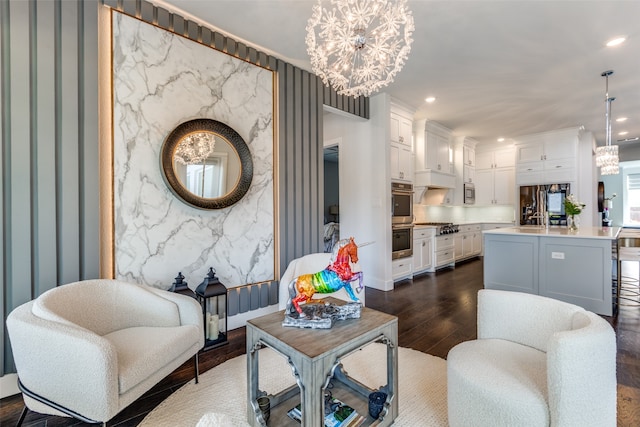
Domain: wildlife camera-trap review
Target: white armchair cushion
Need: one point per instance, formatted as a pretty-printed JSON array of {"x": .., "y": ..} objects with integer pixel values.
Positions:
[
  {"x": 488, "y": 374},
  {"x": 141, "y": 350}
]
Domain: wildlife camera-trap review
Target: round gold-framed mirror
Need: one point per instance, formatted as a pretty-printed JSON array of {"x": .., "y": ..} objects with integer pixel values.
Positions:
[{"x": 206, "y": 164}]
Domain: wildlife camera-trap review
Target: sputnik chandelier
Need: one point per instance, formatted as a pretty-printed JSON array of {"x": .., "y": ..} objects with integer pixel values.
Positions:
[
  {"x": 358, "y": 46},
  {"x": 195, "y": 148},
  {"x": 607, "y": 155}
]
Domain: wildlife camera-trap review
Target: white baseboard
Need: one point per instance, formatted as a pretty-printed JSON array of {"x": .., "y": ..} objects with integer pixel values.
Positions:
[{"x": 8, "y": 385}]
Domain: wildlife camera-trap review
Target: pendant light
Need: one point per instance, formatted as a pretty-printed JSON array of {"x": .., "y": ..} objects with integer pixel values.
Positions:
[{"x": 607, "y": 155}]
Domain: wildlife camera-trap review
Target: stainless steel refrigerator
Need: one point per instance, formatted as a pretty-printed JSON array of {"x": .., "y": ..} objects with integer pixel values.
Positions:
[{"x": 536, "y": 200}]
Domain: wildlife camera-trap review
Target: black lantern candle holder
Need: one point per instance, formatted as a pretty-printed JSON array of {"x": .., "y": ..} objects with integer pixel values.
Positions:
[
  {"x": 180, "y": 287},
  {"x": 212, "y": 296}
]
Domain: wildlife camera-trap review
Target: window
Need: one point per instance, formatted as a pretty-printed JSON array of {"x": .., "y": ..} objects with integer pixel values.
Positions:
[{"x": 631, "y": 199}]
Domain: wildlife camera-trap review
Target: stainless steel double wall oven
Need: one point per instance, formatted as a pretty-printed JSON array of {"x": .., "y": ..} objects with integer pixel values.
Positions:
[{"x": 401, "y": 220}]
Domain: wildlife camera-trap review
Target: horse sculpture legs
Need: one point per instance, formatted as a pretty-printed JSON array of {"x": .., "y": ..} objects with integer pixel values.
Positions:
[{"x": 307, "y": 291}]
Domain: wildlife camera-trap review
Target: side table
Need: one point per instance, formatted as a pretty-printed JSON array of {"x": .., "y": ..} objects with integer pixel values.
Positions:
[{"x": 314, "y": 356}]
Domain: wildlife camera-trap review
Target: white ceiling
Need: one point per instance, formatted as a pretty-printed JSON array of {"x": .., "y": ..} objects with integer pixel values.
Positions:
[{"x": 497, "y": 68}]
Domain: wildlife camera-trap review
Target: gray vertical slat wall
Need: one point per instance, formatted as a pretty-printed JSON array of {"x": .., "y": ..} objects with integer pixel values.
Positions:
[
  {"x": 49, "y": 109},
  {"x": 49, "y": 164}
]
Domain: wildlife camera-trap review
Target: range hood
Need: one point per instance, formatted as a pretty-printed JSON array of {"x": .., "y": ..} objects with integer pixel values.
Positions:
[{"x": 429, "y": 195}]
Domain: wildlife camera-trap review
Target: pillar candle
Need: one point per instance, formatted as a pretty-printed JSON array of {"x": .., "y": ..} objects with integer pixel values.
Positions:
[
  {"x": 213, "y": 327},
  {"x": 207, "y": 321}
]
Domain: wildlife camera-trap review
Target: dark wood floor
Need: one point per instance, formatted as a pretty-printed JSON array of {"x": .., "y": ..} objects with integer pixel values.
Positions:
[{"x": 436, "y": 311}]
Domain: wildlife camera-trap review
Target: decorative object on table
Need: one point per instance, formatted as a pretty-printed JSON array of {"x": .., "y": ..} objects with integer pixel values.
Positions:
[
  {"x": 336, "y": 276},
  {"x": 265, "y": 407},
  {"x": 573, "y": 208},
  {"x": 377, "y": 400},
  {"x": 180, "y": 287},
  {"x": 322, "y": 315},
  {"x": 607, "y": 204},
  {"x": 358, "y": 47},
  {"x": 607, "y": 155},
  {"x": 336, "y": 413},
  {"x": 213, "y": 298}
]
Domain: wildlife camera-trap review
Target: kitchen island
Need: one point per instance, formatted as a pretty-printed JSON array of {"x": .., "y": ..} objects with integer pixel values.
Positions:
[{"x": 572, "y": 266}]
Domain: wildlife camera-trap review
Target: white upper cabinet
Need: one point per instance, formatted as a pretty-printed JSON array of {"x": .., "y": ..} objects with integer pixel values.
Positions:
[
  {"x": 401, "y": 128},
  {"x": 495, "y": 177},
  {"x": 433, "y": 155},
  {"x": 401, "y": 147},
  {"x": 499, "y": 158},
  {"x": 433, "y": 147},
  {"x": 548, "y": 157}
]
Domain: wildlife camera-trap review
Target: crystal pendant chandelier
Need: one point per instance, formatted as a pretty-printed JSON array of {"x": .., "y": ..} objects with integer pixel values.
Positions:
[
  {"x": 358, "y": 46},
  {"x": 195, "y": 147},
  {"x": 607, "y": 155}
]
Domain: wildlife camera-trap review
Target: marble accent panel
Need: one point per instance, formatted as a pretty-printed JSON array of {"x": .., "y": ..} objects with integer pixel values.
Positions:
[{"x": 160, "y": 80}]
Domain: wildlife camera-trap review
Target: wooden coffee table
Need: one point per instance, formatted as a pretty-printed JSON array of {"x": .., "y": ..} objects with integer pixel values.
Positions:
[{"x": 314, "y": 356}]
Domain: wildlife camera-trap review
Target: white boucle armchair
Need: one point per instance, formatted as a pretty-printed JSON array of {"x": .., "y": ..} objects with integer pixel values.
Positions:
[
  {"x": 89, "y": 349},
  {"x": 537, "y": 362}
]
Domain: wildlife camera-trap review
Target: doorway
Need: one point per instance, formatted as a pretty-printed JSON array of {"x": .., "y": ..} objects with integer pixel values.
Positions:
[{"x": 331, "y": 209}]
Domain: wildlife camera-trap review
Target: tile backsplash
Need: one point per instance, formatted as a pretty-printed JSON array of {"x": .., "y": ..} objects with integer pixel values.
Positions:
[{"x": 462, "y": 214}]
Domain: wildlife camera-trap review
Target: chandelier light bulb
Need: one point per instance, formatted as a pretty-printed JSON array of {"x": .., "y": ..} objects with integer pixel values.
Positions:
[{"x": 358, "y": 46}]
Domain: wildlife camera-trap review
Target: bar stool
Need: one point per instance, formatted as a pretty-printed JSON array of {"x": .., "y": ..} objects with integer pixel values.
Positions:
[{"x": 628, "y": 287}]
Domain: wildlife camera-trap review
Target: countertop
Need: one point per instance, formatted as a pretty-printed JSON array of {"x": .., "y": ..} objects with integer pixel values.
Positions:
[{"x": 608, "y": 233}]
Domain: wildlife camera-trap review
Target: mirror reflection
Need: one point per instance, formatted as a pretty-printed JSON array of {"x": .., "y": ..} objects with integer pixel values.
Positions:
[{"x": 206, "y": 164}]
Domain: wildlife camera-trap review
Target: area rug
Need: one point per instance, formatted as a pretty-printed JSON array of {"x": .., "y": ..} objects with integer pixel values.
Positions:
[{"x": 422, "y": 383}]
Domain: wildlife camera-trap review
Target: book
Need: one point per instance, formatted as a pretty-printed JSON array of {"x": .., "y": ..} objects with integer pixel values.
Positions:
[{"x": 341, "y": 415}]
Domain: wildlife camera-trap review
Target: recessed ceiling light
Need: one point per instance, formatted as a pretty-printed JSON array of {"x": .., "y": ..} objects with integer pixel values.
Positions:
[
  {"x": 616, "y": 41},
  {"x": 624, "y": 132},
  {"x": 500, "y": 139},
  {"x": 430, "y": 99},
  {"x": 621, "y": 119},
  {"x": 635, "y": 138}
]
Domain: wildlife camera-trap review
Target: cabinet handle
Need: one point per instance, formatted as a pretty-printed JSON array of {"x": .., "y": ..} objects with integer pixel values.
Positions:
[
  {"x": 439, "y": 167},
  {"x": 423, "y": 243},
  {"x": 401, "y": 139},
  {"x": 529, "y": 169},
  {"x": 558, "y": 166}
]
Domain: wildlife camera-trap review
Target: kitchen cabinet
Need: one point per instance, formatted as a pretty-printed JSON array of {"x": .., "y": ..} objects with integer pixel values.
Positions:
[
  {"x": 401, "y": 147},
  {"x": 401, "y": 268},
  {"x": 423, "y": 253},
  {"x": 468, "y": 241},
  {"x": 401, "y": 162},
  {"x": 492, "y": 226},
  {"x": 433, "y": 147},
  {"x": 495, "y": 186},
  {"x": 555, "y": 263},
  {"x": 549, "y": 157},
  {"x": 495, "y": 177},
  {"x": 401, "y": 128},
  {"x": 464, "y": 161},
  {"x": 469, "y": 154},
  {"x": 444, "y": 251},
  {"x": 433, "y": 155},
  {"x": 495, "y": 159}
]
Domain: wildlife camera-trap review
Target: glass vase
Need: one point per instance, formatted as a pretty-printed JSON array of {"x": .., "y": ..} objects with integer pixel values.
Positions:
[{"x": 573, "y": 223}]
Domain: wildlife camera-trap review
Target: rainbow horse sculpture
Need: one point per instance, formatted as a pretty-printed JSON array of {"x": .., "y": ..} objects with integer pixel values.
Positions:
[{"x": 336, "y": 276}]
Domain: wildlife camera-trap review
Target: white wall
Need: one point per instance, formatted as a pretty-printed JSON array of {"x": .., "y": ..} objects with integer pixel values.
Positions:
[{"x": 365, "y": 197}]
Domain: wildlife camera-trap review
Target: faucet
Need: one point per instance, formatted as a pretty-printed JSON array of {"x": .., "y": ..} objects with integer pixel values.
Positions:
[{"x": 541, "y": 211}]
